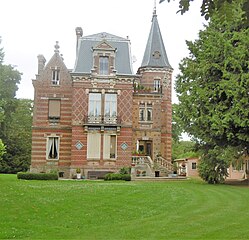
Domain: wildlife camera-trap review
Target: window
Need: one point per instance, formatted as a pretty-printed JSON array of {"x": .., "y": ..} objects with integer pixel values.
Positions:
[
  {"x": 110, "y": 146},
  {"x": 110, "y": 105},
  {"x": 94, "y": 105},
  {"x": 141, "y": 114},
  {"x": 193, "y": 165},
  {"x": 53, "y": 148},
  {"x": 149, "y": 114},
  {"x": 54, "y": 106},
  {"x": 157, "y": 85},
  {"x": 103, "y": 65},
  {"x": 55, "y": 76},
  {"x": 145, "y": 112},
  {"x": 93, "y": 145}
]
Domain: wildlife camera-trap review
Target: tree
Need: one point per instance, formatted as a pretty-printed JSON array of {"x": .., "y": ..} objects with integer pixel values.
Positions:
[
  {"x": 214, "y": 163},
  {"x": 184, "y": 149},
  {"x": 213, "y": 85},
  {"x": 2, "y": 149},
  {"x": 15, "y": 121},
  {"x": 17, "y": 137},
  {"x": 1, "y": 52},
  {"x": 223, "y": 7},
  {"x": 176, "y": 127}
]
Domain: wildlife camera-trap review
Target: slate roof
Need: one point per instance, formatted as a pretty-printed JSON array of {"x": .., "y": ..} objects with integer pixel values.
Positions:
[
  {"x": 84, "y": 58},
  {"x": 155, "y": 53}
]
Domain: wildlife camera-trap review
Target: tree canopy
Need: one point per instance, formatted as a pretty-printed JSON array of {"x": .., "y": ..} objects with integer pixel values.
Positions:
[
  {"x": 223, "y": 7},
  {"x": 2, "y": 149},
  {"x": 15, "y": 121},
  {"x": 213, "y": 85}
]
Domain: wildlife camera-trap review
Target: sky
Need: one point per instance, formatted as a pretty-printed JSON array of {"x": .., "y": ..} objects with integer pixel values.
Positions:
[{"x": 31, "y": 27}]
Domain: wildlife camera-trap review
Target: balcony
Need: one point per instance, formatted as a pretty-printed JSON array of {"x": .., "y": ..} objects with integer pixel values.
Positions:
[
  {"x": 140, "y": 89},
  {"x": 102, "y": 120}
]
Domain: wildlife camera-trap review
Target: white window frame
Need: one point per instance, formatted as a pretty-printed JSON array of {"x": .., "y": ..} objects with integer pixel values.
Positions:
[
  {"x": 54, "y": 143},
  {"x": 110, "y": 105},
  {"x": 157, "y": 85},
  {"x": 94, "y": 104},
  {"x": 145, "y": 112},
  {"x": 104, "y": 65},
  {"x": 56, "y": 76}
]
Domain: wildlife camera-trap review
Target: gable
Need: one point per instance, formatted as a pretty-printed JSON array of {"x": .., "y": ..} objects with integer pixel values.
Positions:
[{"x": 104, "y": 46}]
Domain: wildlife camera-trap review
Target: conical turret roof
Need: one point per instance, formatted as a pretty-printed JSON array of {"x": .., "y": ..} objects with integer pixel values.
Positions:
[{"x": 155, "y": 53}]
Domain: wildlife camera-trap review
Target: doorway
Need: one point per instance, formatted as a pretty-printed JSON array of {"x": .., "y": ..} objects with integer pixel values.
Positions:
[{"x": 145, "y": 147}]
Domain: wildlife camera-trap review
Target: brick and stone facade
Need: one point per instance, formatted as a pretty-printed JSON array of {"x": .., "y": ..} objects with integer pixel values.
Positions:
[{"x": 97, "y": 115}]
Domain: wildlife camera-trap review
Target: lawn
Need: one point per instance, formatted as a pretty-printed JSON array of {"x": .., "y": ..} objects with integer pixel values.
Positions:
[{"x": 187, "y": 209}]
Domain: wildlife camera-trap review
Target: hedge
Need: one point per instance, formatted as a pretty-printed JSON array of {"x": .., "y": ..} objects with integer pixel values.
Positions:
[
  {"x": 37, "y": 176},
  {"x": 117, "y": 176}
]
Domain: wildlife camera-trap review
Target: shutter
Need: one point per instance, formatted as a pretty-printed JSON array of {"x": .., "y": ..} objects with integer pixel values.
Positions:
[
  {"x": 54, "y": 108},
  {"x": 93, "y": 145},
  {"x": 106, "y": 146}
]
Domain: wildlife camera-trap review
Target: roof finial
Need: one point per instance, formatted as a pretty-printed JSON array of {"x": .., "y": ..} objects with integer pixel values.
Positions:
[
  {"x": 154, "y": 10},
  {"x": 56, "y": 46}
]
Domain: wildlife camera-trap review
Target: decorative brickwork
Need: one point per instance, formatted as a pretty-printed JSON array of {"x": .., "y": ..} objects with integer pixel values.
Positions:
[
  {"x": 99, "y": 114},
  {"x": 125, "y": 106}
]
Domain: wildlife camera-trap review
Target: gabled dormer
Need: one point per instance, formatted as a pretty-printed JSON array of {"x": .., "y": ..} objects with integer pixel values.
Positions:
[{"x": 104, "y": 59}]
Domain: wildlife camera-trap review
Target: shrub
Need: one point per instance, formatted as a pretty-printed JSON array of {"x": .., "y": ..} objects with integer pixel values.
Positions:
[
  {"x": 37, "y": 176},
  {"x": 126, "y": 177},
  {"x": 117, "y": 176},
  {"x": 125, "y": 170}
]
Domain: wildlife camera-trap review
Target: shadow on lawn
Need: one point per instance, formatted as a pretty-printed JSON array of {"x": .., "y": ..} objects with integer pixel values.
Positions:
[{"x": 235, "y": 182}]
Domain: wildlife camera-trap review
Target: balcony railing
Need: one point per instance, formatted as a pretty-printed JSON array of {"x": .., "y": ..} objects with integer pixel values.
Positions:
[
  {"x": 102, "y": 120},
  {"x": 147, "y": 90},
  {"x": 142, "y": 160}
]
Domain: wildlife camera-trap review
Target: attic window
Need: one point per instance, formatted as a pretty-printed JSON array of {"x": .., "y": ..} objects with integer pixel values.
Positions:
[
  {"x": 103, "y": 65},
  {"x": 156, "y": 54},
  {"x": 55, "y": 76}
]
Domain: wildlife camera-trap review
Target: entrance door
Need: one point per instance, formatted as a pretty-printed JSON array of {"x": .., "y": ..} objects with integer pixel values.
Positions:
[{"x": 148, "y": 149}]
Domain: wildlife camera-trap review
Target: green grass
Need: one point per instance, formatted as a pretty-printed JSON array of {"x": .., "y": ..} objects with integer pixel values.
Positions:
[{"x": 121, "y": 210}]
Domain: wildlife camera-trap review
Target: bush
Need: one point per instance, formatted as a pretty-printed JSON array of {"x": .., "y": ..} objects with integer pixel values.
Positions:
[
  {"x": 125, "y": 170},
  {"x": 37, "y": 176},
  {"x": 117, "y": 176},
  {"x": 127, "y": 177}
]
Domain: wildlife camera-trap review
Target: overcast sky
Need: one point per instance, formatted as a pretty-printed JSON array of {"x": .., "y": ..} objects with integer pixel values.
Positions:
[{"x": 31, "y": 27}]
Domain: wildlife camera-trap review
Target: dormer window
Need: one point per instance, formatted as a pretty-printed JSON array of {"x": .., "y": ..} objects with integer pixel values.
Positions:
[
  {"x": 103, "y": 65},
  {"x": 55, "y": 76}
]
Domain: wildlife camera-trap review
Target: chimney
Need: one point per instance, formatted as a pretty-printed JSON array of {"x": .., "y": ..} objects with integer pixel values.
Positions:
[
  {"x": 41, "y": 63},
  {"x": 79, "y": 33}
]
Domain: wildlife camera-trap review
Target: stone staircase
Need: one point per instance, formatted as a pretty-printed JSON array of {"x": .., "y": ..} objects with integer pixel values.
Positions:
[
  {"x": 164, "y": 166},
  {"x": 144, "y": 166}
]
